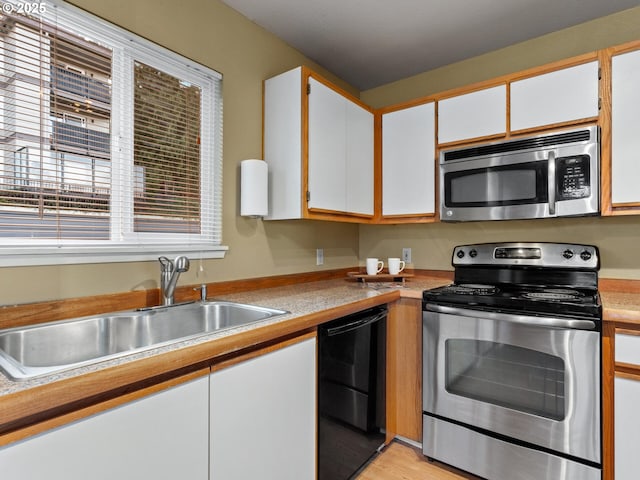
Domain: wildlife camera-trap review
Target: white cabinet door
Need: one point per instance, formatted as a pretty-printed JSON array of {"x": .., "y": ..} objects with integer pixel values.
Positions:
[
  {"x": 283, "y": 144},
  {"x": 555, "y": 97},
  {"x": 625, "y": 127},
  {"x": 327, "y": 148},
  {"x": 162, "y": 436},
  {"x": 408, "y": 155},
  {"x": 476, "y": 114},
  {"x": 340, "y": 144},
  {"x": 359, "y": 160},
  {"x": 627, "y": 426},
  {"x": 340, "y": 152},
  {"x": 263, "y": 416}
]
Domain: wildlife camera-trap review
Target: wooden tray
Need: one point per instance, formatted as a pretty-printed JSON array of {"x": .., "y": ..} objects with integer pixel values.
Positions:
[{"x": 380, "y": 277}]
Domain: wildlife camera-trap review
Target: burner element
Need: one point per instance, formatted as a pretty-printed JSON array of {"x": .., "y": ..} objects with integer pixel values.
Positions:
[
  {"x": 554, "y": 295},
  {"x": 473, "y": 289}
]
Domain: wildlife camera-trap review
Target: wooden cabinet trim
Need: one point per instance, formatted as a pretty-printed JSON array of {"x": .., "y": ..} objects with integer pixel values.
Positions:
[
  {"x": 404, "y": 370},
  {"x": 608, "y": 355},
  {"x": 308, "y": 73},
  {"x": 605, "y": 132},
  {"x": 628, "y": 331},
  {"x": 554, "y": 66},
  {"x": 627, "y": 370}
]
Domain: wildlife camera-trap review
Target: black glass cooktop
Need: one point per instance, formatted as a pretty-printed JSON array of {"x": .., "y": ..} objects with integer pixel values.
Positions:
[{"x": 520, "y": 299}]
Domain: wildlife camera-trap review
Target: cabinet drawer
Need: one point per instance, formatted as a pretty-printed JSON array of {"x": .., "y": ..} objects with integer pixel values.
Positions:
[{"x": 628, "y": 348}]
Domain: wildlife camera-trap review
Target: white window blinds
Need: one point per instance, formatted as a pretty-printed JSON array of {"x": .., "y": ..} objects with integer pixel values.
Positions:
[{"x": 107, "y": 142}]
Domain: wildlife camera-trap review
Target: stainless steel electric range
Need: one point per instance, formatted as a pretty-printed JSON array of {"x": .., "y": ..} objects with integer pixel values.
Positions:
[{"x": 511, "y": 363}]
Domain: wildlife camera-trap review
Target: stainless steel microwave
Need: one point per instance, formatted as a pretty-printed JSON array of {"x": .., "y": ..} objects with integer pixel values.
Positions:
[{"x": 551, "y": 175}]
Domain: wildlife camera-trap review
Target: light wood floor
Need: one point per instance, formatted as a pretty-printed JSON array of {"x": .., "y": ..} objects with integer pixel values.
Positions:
[{"x": 399, "y": 461}]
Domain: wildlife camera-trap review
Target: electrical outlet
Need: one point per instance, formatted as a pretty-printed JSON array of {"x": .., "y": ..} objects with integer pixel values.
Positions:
[
  {"x": 319, "y": 256},
  {"x": 406, "y": 255}
]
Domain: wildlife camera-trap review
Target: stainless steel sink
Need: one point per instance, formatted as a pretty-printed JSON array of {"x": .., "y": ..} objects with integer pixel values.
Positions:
[{"x": 52, "y": 347}]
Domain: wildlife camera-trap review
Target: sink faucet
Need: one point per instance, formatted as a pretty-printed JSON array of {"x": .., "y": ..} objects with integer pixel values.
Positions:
[{"x": 169, "y": 273}]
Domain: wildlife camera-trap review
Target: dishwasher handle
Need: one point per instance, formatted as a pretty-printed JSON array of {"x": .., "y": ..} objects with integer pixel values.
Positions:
[{"x": 359, "y": 323}]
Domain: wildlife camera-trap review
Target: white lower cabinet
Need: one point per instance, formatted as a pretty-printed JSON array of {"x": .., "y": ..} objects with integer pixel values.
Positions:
[
  {"x": 626, "y": 413},
  {"x": 263, "y": 416},
  {"x": 161, "y": 436},
  {"x": 627, "y": 426}
]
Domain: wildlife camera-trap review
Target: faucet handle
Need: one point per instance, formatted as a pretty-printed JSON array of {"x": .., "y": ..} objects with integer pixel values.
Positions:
[
  {"x": 203, "y": 291},
  {"x": 165, "y": 264}
]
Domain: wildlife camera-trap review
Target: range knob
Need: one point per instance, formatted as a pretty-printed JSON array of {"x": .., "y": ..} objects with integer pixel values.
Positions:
[
  {"x": 567, "y": 254},
  {"x": 460, "y": 254},
  {"x": 473, "y": 253},
  {"x": 585, "y": 255}
]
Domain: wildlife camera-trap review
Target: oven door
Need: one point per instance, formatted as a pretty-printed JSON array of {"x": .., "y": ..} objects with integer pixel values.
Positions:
[{"x": 539, "y": 384}]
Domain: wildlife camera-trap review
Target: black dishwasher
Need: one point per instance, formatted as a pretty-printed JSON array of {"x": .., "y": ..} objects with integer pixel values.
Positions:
[{"x": 351, "y": 392}]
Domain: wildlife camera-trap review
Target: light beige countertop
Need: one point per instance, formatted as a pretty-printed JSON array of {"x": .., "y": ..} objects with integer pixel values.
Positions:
[
  {"x": 620, "y": 306},
  {"x": 309, "y": 304}
]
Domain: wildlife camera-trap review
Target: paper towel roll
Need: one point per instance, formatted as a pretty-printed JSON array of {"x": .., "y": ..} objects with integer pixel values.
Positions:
[{"x": 254, "y": 196}]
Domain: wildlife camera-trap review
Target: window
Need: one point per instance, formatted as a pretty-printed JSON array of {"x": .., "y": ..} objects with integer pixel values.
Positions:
[{"x": 110, "y": 146}]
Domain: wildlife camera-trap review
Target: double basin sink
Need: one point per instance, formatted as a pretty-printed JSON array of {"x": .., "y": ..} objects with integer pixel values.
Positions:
[{"x": 49, "y": 348}]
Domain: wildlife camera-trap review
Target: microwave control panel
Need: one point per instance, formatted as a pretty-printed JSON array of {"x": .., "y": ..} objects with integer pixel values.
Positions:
[{"x": 573, "y": 179}]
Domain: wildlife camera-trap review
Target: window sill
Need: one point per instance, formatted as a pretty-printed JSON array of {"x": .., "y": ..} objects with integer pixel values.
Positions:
[{"x": 72, "y": 255}]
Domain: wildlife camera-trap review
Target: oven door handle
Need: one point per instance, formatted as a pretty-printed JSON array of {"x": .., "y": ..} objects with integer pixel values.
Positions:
[{"x": 548, "y": 322}]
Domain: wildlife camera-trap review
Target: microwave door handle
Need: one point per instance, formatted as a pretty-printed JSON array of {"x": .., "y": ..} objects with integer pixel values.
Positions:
[
  {"x": 551, "y": 186},
  {"x": 531, "y": 320}
]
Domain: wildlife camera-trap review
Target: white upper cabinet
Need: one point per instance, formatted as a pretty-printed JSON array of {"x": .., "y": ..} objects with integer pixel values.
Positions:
[
  {"x": 408, "y": 155},
  {"x": 625, "y": 128},
  {"x": 359, "y": 160},
  {"x": 327, "y": 148},
  {"x": 476, "y": 114},
  {"x": 560, "y": 96},
  {"x": 339, "y": 150},
  {"x": 283, "y": 144}
]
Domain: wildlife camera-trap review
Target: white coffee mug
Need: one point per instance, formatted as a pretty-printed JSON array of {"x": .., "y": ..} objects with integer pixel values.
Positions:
[
  {"x": 374, "y": 266},
  {"x": 395, "y": 266}
]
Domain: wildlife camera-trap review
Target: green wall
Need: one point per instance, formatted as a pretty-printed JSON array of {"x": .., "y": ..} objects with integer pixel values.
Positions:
[{"x": 209, "y": 32}]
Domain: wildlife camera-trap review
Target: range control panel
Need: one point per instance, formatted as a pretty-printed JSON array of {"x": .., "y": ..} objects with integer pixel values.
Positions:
[{"x": 558, "y": 255}]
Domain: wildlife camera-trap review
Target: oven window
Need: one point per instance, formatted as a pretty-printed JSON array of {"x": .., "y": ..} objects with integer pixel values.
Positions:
[
  {"x": 506, "y": 375},
  {"x": 497, "y": 186}
]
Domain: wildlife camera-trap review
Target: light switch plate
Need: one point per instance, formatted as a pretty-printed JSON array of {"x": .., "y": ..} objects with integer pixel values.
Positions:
[
  {"x": 406, "y": 255},
  {"x": 319, "y": 256}
]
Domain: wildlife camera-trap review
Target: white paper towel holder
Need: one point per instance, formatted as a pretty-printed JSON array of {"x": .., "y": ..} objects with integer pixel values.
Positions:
[{"x": 254, "y": 188}]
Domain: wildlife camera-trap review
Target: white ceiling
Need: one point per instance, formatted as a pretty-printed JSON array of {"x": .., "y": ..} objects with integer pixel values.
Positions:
[{"x": 372, "y": 42}]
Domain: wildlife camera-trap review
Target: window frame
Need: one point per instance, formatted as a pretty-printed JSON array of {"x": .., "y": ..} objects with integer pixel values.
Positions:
[{"x": 124, "y": 244}]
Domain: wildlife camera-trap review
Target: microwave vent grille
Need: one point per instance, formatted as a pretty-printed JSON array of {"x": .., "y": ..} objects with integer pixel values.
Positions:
[{"x": 518, "y": 145}]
